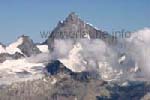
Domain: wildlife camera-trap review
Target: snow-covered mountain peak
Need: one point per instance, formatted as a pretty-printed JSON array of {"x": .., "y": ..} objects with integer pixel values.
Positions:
[
  {"x": 13, "y": 47},
  {"x": 23, "y": 45}
]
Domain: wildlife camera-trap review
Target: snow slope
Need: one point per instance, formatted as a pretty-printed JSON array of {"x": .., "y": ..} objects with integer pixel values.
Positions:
[
  {"x": 13, "y": 48},
  {"x": 43, "y": 48},
  {"x": 19, "y": 70}
]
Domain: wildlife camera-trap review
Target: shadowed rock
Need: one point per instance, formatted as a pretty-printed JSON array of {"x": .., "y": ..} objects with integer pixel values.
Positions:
[
  {"x": 6, "y": 56},
  {"x": 55, "y": 67},
  {"x": 28, "y": 47}
]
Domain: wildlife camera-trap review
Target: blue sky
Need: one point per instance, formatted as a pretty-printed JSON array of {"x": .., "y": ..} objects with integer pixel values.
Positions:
[{"x": 29, "y": 17}]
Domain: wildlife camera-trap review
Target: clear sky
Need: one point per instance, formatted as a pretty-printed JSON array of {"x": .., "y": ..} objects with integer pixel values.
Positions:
[{"x": 29, "y": 17}]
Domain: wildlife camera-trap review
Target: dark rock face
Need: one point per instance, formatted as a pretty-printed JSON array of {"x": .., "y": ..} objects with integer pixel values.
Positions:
[
  {"x": 5, "y": 56},
  {"x": 4, "y": 46},
  {"x": 134, "y": 91},
  {"x": 74, "y": 28},
  {"x": 85, "y": 76},
  {"x": 28, "y": 47},
  {"x": 55, "y": 67},
  {"x": 17, "y": 55}
]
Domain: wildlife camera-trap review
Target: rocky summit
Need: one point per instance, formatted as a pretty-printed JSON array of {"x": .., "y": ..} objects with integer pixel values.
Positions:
[
  {"x": 75, "y": 28},
  {"x": 28, "y": 47}
]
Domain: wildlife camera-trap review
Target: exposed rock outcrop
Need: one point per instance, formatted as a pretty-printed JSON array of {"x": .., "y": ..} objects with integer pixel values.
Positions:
[
  {"x": 28, "y": 47},
  {"x": 55, "y": 67},
  {"x": 6, "y": 56}
]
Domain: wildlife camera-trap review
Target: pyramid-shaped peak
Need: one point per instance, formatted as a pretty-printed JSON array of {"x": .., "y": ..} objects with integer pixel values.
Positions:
[
  {"x": 72, "y": 16},
  {"x": 74, "y": 27}
]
